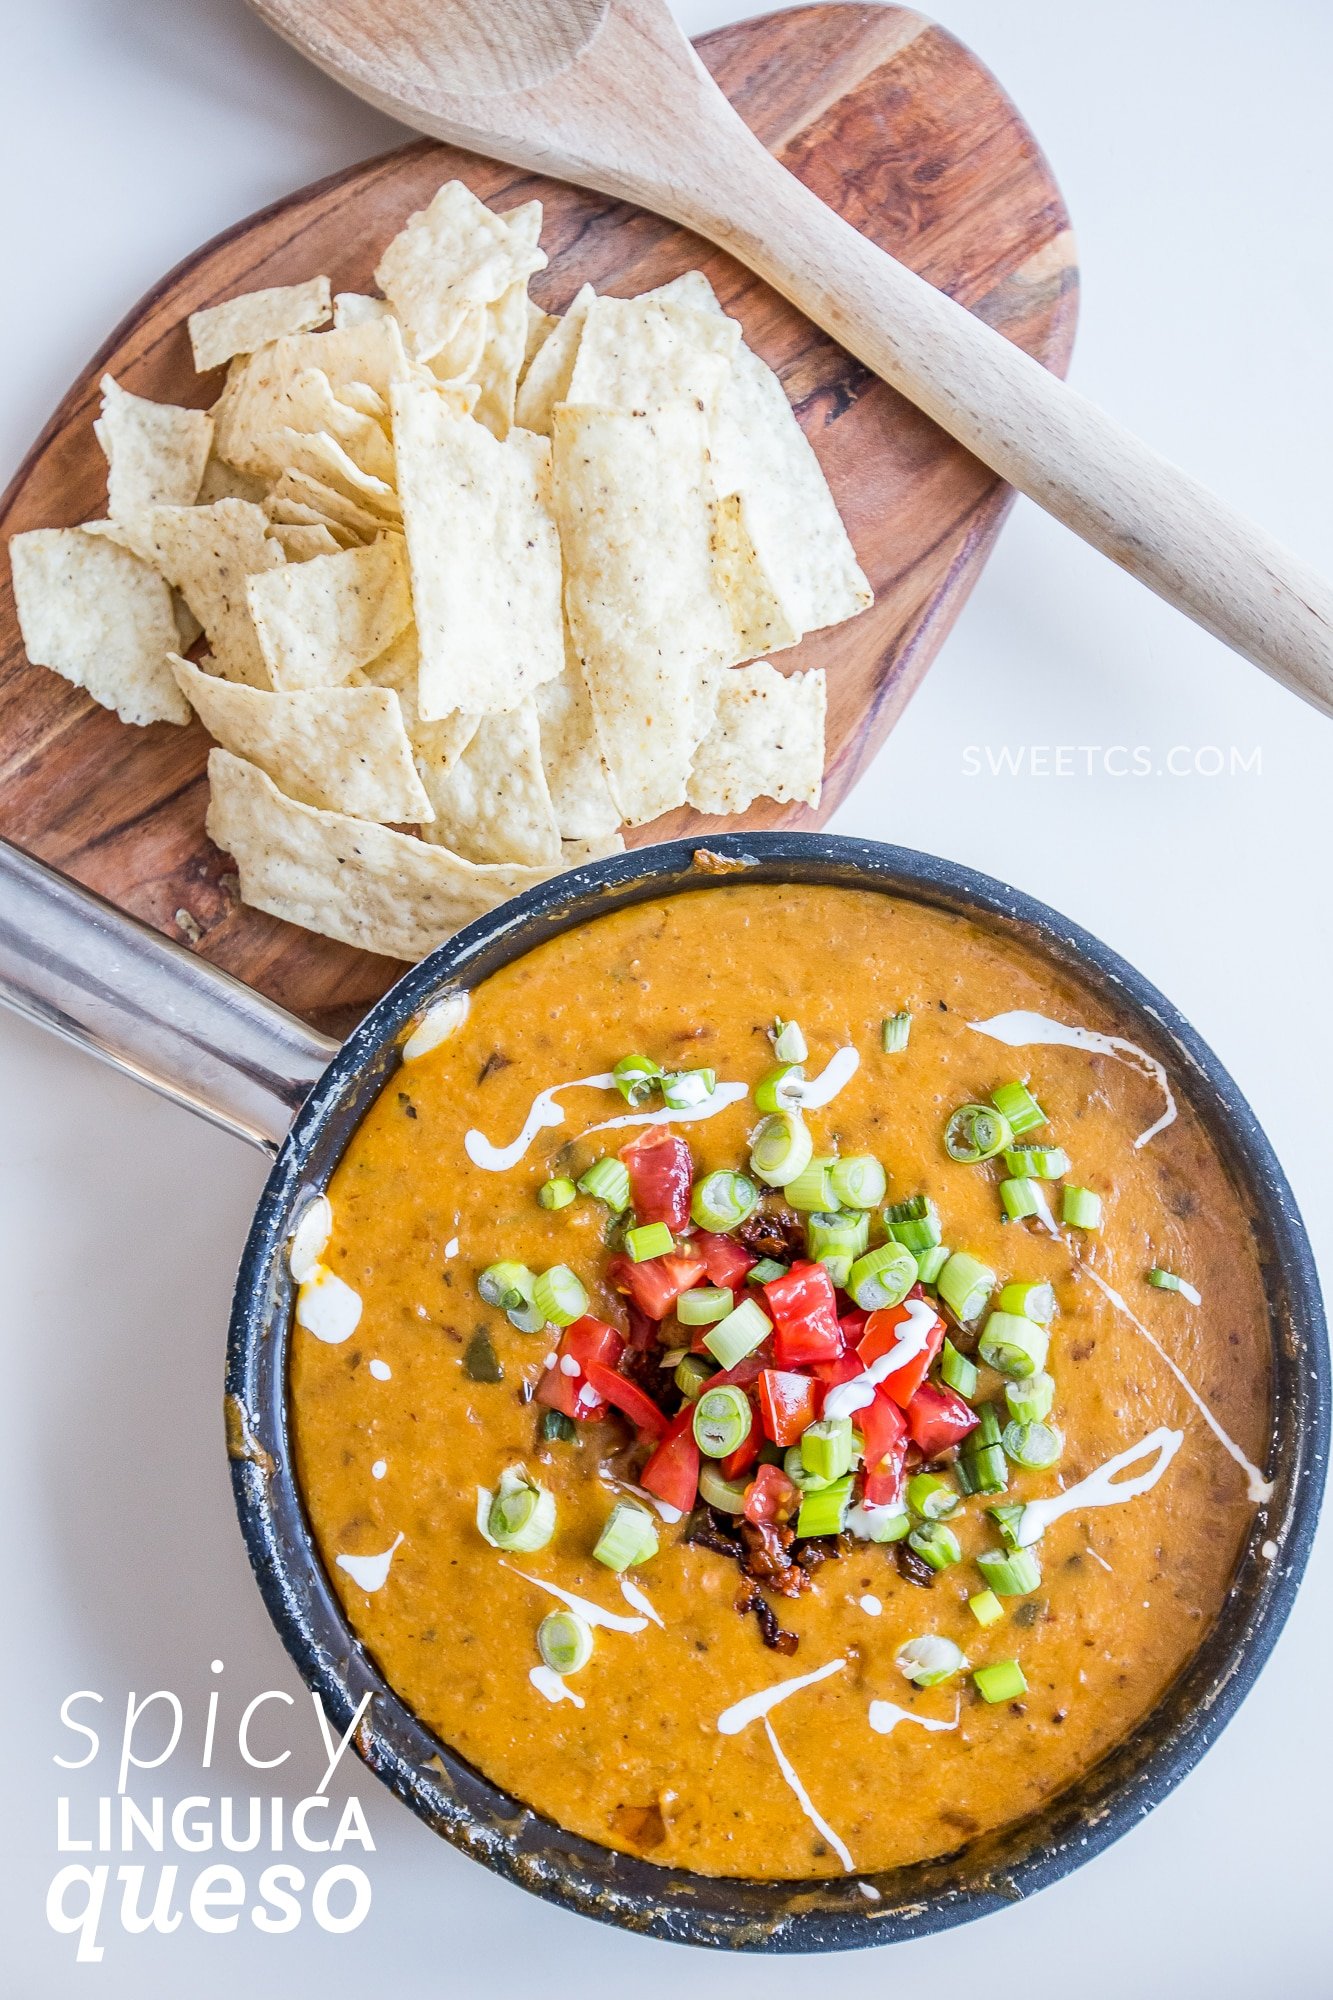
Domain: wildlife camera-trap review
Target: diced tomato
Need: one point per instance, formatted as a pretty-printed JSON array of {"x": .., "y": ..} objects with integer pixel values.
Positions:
[
  {"x": 805, "y": 1316},
  {"x": 672, "y": 1473},
  {"x": 788, "y": 1403},
  {"x": 725, "y": 1260},
  {"x": 883, "y": 1332},
  {"x": 746, "y": 1372},
  {"x": 772, "y": 1496},
  {"x": 661, "y": 1173},
  {"x": 655, "y": 1285},
  {"x": 739, "y": 1461},
  {"x": 643, "y": 1332},
  {"x": 885, "y": 1487},
  {"x": 627, "y": 1397},
  {"x": 828, "y": 1374},
  {"x": 882, "y": 1426},
  {"x": 938, "y": 1418},
  {"x": 853, "y": 1324},
  {"x": 587, "y": 1340}
]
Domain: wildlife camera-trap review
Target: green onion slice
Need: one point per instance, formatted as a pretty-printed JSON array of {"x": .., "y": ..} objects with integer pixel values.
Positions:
[
  {"x": 705, "y": 1305},
  {"x": 727, "y": 1495},
  {"x": 688, "y": 1088},
  {"x": 781, "y": 1150},
  {"x": 1013, "y": 1345},
  {"x": 1015, "y": 1102},
  {"x": 878, "y": 1524},
  {"x": 859, "y": 1181},
  {"x": 556, "y": 1193},
  {"x": 1019, "y": 1198},
  {"x": 1033, "y": 1298},
  {"x": 692, "y": 1374},
  {"x": 1036, "y": 1447},
  {"x": 929, "y": 1660},
  {"x": 723, "y": 1200},
  {"x": 1030, "y": 1400},
  {"x": 894, "y": 1033},
  {"x": 812, "y": 1188},
  {"x": 1167, "y": 1281},
  {"x": 522, "y": 1515},
  {"x": 986, "y": 1608},
  {"x": 826, "y": 1448},
  {"x": 636, "y": 1078},
  {"x": 564, "y": 1641},
  {"x": 1003, "y": 1681},
  {"x": 651, "y": 1239},
  {"x": 882, "y": 1277},
  {"x": 507, "y": 1286},
  {"x": 559, "y": 1296},
  {"x": 789, "y": 1044},
  {"x": 824, "y": 1508},
  {"x": 915, "y": 1223},
  {"x": 836, "y": 1241},
  {"x": 976, "y": 1132},
  {"x": 965, "y": 1284},
  {"x": 608, "y": 1180},
  {"x": 957, "y": 1371},
  {"x": 722, "y": 1420},
  {"x": 1007, "y": 1517},
  {"x": 629, "y": 1537},
  {"x": 743, "y": 1329},
  {"x": 931, "y": 1262},
  {"x": 774, "y": 1092},
  {"x": 1036, "y": 1163},
  {"x": 1080, "y": 1208},
  {"x": 765, "y": 1271},
  {"x": 935, "y": 1544},
  {"x": 1010, "y": 1572},
  {"x": 931, "y": 1497}
]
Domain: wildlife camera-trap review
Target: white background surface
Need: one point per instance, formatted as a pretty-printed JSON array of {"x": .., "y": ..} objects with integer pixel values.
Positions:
[{"x": 1191, "y": 143}]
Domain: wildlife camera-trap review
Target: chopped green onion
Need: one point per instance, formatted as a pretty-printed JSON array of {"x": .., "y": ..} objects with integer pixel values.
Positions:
[
  {"x": 557, "y": 1193},
  {"x": 824, "y": 1508},
  {"x": 965, "y": 1284},
  {"x": 858, "y": 1181},
  {"x": 1010, "y": 1573},
  {"x": 773, "y": 1092},
  {"x": 882, "y": 1277},
  {"x": 935, "y": 1544},
  {"x": 812, "y": 1189},
  {"x": 559, "y": 1296},
  {"x": 793, "y": 1464},
  {"x": 636, "y": 1078},
  {"x": 481, "y": 1363},
  {"x": 723, "y": 1200},
  {"x": 727, "y": 1495},
  {"x": 781, "y": 1150},
  {"x": 986, "y": 1608},
  {"x": 981, "y": 1466},
  {"x": 894, "y": 1033},
  {"x": 629, "y": 1537},
  {"x": 1013, "y": 1344},
  {"x": 608, "y": 1180},
  {"x": 522, "y": 1516},
  {"x": 1034, "y": 1447},
  {"x": 931, "y": 1262},
  {"x": 743, "y": 1329},
  {"x": 722, "y": 1420},
  {"x": 692, "y": 1375},
  {"x": 789, "y": 1044},
  {"x": 1037, "y": 1163},
  {"x": 932, "y": 1498},
  {"x": 1015, "y": 1102},
  {"x": 1168, "y": 1281},
  {"x": 651, "y": 1239},
  {"x": 528, "y": 1319},
  {"x": 1033, "y": 1298},
  {"x": 687, "y": 1088},
  {"x": 1080, "y": 1208},
  {"x": 1019, "y": 1199},
  {"x": 1030, "y": 1400},
  {"x": 764, "y": 1272},
  {"x": 836, "y": 1241},
  {"x": 878, "y": 1524},
  {"x": 1007, "y": 1517},
  {"x": 556, "y": 1428},
  {"x": 915, "y": 1224},
  {"x": 1001, "y": 1682},
  {"x": 507, "y": 1286},
  {"x": 957, "y": 1372},
  {"x": 930, "y": 1660},
  {"x": 826, "y": 1448},
  {"x": 564, "y": 1641},
  {"x": 705, "y": 1305},
  {"x": 976, "y": 1132}
]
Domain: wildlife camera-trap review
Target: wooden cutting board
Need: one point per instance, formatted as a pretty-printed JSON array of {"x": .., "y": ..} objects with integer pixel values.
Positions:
[{"x": 891, "y": 122}]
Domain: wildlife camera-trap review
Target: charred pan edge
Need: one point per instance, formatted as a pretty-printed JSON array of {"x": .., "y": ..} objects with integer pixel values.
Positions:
[{"x": 822, "y": 1915}]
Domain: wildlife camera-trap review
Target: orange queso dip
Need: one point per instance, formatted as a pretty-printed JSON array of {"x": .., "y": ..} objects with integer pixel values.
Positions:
[{"x": 779, "y": 1383}]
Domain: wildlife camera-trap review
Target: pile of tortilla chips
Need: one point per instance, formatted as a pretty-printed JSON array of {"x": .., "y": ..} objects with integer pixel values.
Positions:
[{"x": 473, "y": 587}]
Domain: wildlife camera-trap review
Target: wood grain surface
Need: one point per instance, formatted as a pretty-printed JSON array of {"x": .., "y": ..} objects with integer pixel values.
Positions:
[{"x": 881, "y": 114}]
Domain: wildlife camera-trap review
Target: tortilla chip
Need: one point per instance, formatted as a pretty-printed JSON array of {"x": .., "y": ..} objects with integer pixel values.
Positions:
[
  {"x": 577, "y": 853},
  {"x": 493, "y": 804},
  {"x": 262, "y": 399},
  {"x": 241, "y": 325},
  {"x": 761, "y": 452},
  {"x": 322, "y": 503},
  {"x": 355, "y": 308},
  {"x": 453, "y": 255},
  {"x": 223, "y": 482},
  {"x": 540, "y": 324},
  {"x": 208, "y": 553},
  {"x": 634, "y": 505},
  {"x": 299, "y": 540},
  {"x": 341, "y": 748},
  {"x": 546, "y": 382},
  {"x": 484, "y": 554},
  {"x": 367, "y": 885},
  {"x": 436, "y": 746},
  {"x": 369, "y": 402},
  {"x": 155, "y": 452},
  {"x": 320, "y": 457},
  {"x": 94, "y": 613},
  {"x": 767, "y": 740},
  {"x": 319, "y": 620},
  {"x": 575, "y": 773},
  {"x": 758, "y": 614},
  {"x": 497, "y": 371},
  {"x": 636, "y": 353}
]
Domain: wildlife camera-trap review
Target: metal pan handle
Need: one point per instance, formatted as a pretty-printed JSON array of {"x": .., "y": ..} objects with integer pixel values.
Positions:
[{"x": 79, "y": 966}]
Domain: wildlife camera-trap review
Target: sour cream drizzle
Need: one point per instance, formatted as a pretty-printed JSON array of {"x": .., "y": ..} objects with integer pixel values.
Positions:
[
  {"x": 548, "y": 1682},
  {"x": 848, "y": 1397},
  {"x": 1022, "y": 1030},
  {"x": 1260, "y": 1489},
  {"x": 544, "y": 1111},
  {"x": 370, "y": 1572},
  {"x": 641, "y": 1601},
  {"x": 749, "y": 1709},
  {"x": 885, "y": 1716},
  {"x": 592, "y": 1614},
  {"x": 812, "y": 1093},
  {"x": 723, "y": 1095},
  {"x": 806, "y": 1803},
  {"x": 1102, "y": 1488}
]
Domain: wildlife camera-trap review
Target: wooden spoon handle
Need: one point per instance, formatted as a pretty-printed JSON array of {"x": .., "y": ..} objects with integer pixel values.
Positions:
[{"x": 1045, "y": 439}]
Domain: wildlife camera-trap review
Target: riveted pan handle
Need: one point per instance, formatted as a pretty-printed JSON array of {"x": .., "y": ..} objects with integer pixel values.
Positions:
[{"x": 102, "y": 980}]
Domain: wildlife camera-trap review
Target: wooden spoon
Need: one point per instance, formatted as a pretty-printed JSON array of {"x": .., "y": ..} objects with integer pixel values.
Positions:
[{"x": 610, "y": 94}]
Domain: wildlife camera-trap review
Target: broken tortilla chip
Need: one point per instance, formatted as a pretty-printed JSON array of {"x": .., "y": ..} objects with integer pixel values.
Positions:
[
  {"x": 546, "y": 382},
  {"x": 757, "y": 612},
  {"x": 155, "y": 452},
  {"x": 497, "y": 371},
  {"x": 94, "y": 613},
  {"x": 493, "y": 804},
  {"x": 572, "y": 757},
  {"x": 318, "y": 621},
  {"x": 240, "y": 325},
  {"x": 635, "y": 353},
  {"x": 436, "y": 746},
  {"x": 261, "y": 399},
  {"x": 208, "y": 553},
  {"x": 299, "y": 540},
  {"x": 767, "y": 741},
  {"x": 355, "y": 308},
  {"x": 452, "y": 256},
  {"x": 342, "y": 748}
]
